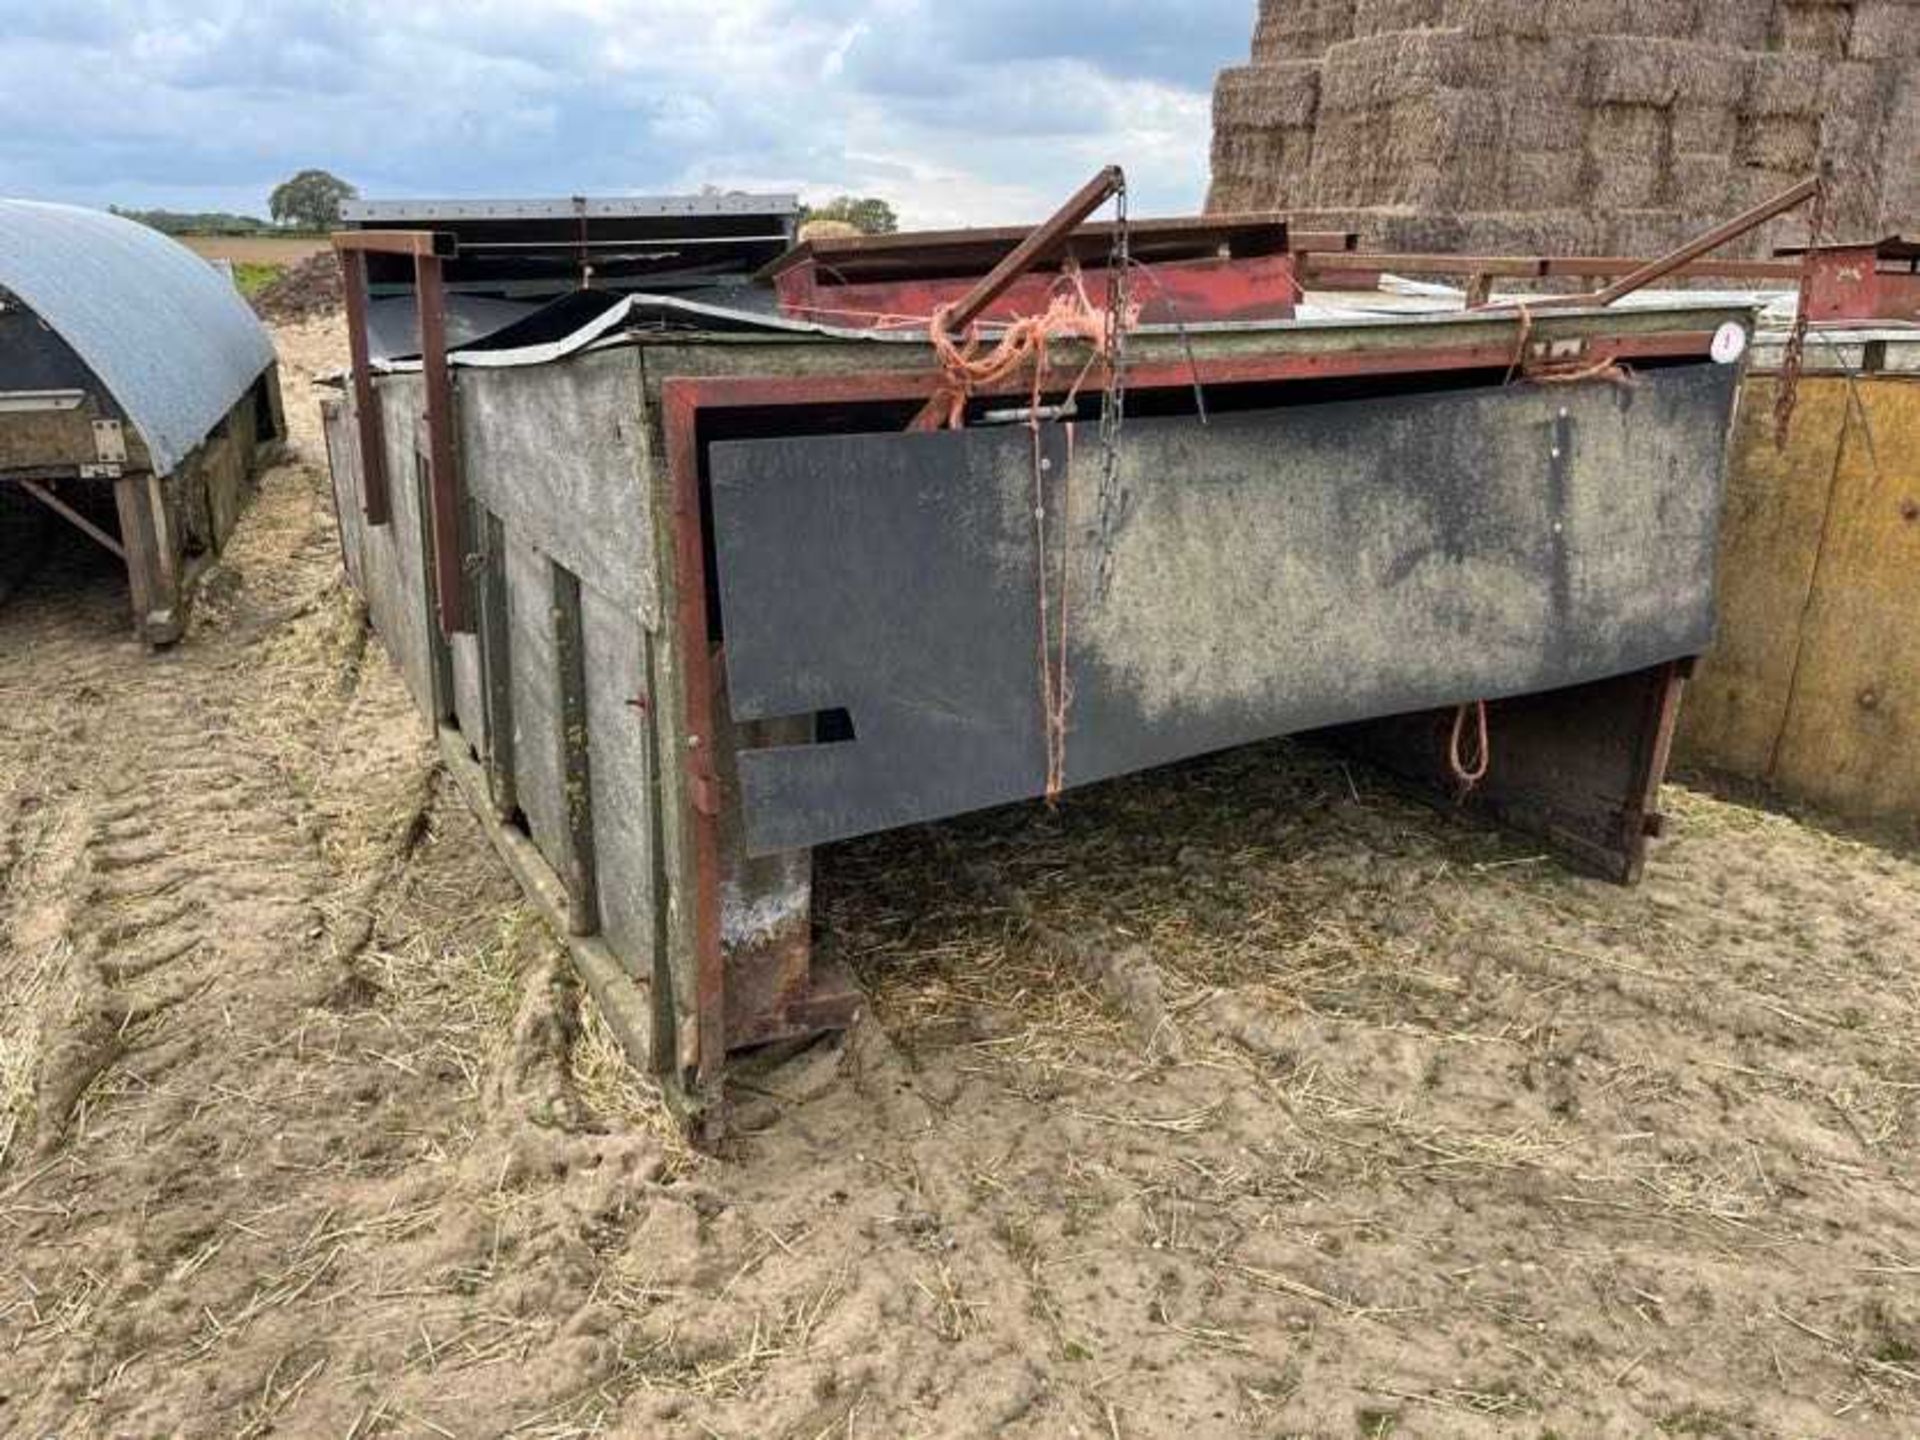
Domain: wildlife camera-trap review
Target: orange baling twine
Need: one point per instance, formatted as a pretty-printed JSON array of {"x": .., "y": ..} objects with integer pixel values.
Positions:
[
  {"x": 1023, "y": 342},
  {"x": 968, "y": 366}
]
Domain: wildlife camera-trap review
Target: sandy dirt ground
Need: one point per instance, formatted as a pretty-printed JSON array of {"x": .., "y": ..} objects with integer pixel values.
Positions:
[{"x": 1247, "y": 1099}]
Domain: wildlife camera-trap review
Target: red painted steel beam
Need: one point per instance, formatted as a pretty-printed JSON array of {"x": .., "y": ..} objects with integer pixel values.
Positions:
[
  {"x": 449, "y": 544},
  {"x": 375, "y": 494},
  {"x": 1038, "y": 246},
  {"x": 1713, "y": 239},
  {"x": 680, "y": 403},
  {"x": 439, "y": 244},
  {"x": 1535, "y": 267},
  {"x": 1169, "y": 293}
]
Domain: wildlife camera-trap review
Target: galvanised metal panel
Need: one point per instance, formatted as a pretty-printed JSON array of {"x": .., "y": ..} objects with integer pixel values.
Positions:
[
  {"x": 536, "y": 699},
  {"x": 619, "y": 727},
  {"x": 555, "y": 452},
  {"x": 164, "y": 331}
]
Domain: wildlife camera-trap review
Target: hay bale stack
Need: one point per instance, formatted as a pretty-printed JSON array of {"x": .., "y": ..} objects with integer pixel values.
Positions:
[{"x": 1560, "y": 125}]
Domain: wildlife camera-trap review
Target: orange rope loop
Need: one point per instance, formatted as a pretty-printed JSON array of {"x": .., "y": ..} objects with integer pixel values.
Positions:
[{"x": 1468, "y": 774}]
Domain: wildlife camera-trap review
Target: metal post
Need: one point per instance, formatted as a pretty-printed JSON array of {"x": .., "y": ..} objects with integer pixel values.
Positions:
[
  {"x": 366, "y": 405},
  {"x": 449, "y": 543}
]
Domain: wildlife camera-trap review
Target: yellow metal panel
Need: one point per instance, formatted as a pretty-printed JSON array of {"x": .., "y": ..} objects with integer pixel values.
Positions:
[
  {"x": 1776, "y": 504},
  {"x": 1852, "y": 738}
]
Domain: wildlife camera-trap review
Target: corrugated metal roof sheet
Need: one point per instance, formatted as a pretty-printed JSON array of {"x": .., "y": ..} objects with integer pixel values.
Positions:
[
  {"x": 168, "y": 336},
  {"x": 614, "y": 207}
]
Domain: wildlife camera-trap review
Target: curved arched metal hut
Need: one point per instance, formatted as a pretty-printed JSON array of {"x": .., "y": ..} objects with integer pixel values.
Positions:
[{"x": 137, "y": 391}]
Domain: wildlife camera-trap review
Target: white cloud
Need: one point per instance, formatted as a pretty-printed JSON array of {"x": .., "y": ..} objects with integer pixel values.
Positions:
[{"x": 957, "y": 114}]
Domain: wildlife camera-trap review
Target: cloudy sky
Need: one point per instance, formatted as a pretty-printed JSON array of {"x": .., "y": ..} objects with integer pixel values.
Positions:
[{"x": 957, "y": 110}]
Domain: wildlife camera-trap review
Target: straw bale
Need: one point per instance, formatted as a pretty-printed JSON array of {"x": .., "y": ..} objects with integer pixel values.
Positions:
[
  {"x": 1666, "y": 19},
  {"x": 1347, "y": 168},
  {"x": 1813, "y": 27},
  {"x": 1649, "y": 231},
  {"x": 1783, "y": 84},
  {"x": 1885, "y": 30},
  {"x": 1624, "y": 183},
  {"x": 1852, "y": 140},
  {"x": 1484, "y": 19},
  {"x": 1572, "y": 231},
  {"x": 1547, "y": 120},
  {"x": 1856, "y": 95},
  {"x": 1785, "y": 144},
  {"x": 1381, "y": 68},
  {"x": 1543, "y": 180},
  {"x": 1625, "y": 70},
  {"x": 1435, "y": 150},
  {"x": 1739, "y": 23},
  {"x": 1399, "y": 230},
  {"x": 1528, "y": 64},
  {"x": 1703, "y": 129},
  {"x": 1900, "y": 185},
  {"x": 1301, "y": 29},
  {"x": 1703, "y": 180},
  {"x": 1706, "y": 74},
  {"x": 1627, "y": 132},
  {"x": 1381, "y": 17},
  {"x": 1751, "y": 183},
  {"x": 1260, "y": 169},
  {"x": 1474, "y": 163},
  {"x": 1267, "y": 96}
]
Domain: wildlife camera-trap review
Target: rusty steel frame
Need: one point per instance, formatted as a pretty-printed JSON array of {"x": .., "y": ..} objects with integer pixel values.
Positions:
[
  {"x": 1687, "y": 259},
  {"x": 429, "y": 250},
  {"x": 686, "y": 400},
  {"x": 1529, "y": 267}
]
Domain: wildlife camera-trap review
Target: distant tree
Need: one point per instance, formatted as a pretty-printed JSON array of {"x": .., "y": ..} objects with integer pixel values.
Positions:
[
  {"x": 310, "y": 200},
  {"x": 193, "y": 222},
  {"x": 868, "y": 214}
]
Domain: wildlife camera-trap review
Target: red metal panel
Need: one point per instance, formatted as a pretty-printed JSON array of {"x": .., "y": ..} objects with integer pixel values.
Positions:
[
  {"x": 1188, "y": 291},
  {"x": 1850, "y": 283},
  {"x": 680, "y": 412}
]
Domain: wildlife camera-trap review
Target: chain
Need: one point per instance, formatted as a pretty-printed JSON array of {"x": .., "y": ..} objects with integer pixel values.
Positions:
[
  {"x": 1113, "y": 413},
  {"x": 1793, "y": 357}
]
